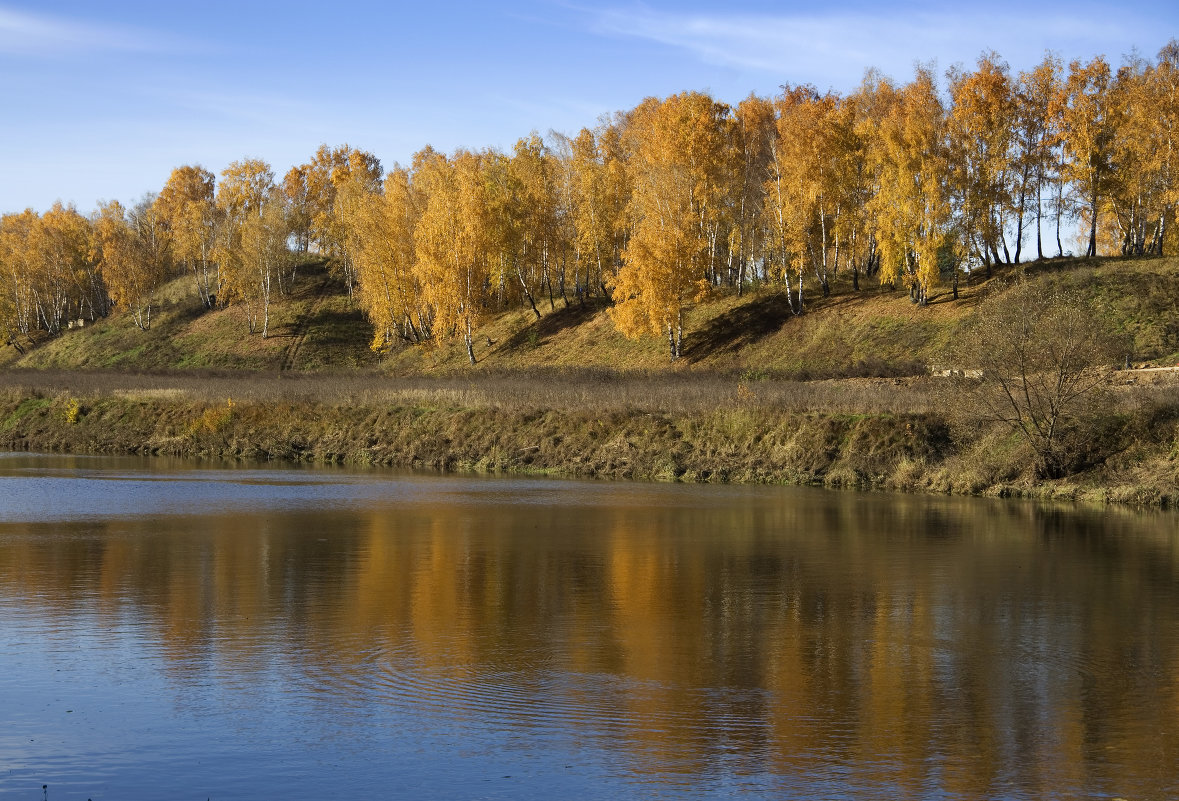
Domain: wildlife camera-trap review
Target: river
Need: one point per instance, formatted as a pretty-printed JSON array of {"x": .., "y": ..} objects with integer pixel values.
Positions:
[{"x": 178, "y": 631}]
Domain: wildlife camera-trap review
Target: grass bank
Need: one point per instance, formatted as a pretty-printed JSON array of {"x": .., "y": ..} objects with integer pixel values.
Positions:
[{"x": 890, "y": 434}]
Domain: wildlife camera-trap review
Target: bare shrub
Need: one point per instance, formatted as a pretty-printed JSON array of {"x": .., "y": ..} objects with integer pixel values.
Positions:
[{"x": 1045, "y": 358}]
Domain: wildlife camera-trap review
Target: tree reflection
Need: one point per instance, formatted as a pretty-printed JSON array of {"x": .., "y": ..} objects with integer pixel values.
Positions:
[{"x": 910, "y": 644}]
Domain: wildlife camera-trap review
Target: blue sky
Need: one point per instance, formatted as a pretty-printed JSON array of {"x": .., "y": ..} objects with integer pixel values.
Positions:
[{"x": 101, "y": 100}]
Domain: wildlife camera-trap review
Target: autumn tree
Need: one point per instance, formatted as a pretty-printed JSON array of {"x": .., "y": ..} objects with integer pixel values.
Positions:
[
  {"x": 678, "y": 147},
  {"x": 780, "y": 196},
  {"x": 253, "y": 246},
  {"x": 1130, "y": 205},
  {"x": 1142, "y": 189},
  {"x": 380, "y": 230},
  {"x": 314, "y": 187},
  {"x": 986, "y": 184},
  {"x": 510, "y": 274},
  {"x": 751, "y": 136},
  {"x": 600, "y": 196},
  {"x": 265, "y": 251},
  {"x": 808, "y": 177},
  {"x": 118, "y": 259},
  {"x": 592, "y": 223},
  {"x": 619, "y": 189},
  {"x": 534, "y": 173},
  {"x": 359, "y": 169},
  {"x": 18, "y": 266},
  {"x": 868, "y": 108},
  {"x": 133, "y": 255},
  {"x": 563, "y": 233},
  {"x": 911, "y": 208},
  {"x": 186, "y": 207},
  {"x": 66, "y": 282},
  {"x": 49, "y": 271},
  {"x": 1036, "y": 137},
  {"x": 450, "y": 241},
  {"x": 854, "y": 183},
  {"x": 1163, "y": 153},
  {"x": 299, "y": 210},
  {"x": 1087, "y": 134},
  {"x": 9, "y": 319}
]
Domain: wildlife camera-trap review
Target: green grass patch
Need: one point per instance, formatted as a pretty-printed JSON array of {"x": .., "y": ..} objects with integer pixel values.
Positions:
[{"x": 26, "y": 407}]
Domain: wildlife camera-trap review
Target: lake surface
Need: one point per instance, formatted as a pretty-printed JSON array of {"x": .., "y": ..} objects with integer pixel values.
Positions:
[{"x": 175, "y": 632}]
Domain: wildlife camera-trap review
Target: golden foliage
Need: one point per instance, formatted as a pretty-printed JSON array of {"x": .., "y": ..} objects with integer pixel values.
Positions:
[
  {"x": 650, "y": 209},
  {"x": 675, "y": 209}
]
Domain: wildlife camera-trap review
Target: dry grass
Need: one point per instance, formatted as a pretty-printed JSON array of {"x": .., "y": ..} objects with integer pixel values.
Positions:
[
  {"x": 567, "y": 390},
  {"x": 887, "y": 433}
]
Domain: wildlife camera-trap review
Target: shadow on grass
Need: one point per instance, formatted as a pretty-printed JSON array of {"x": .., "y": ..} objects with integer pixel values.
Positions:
[
  {"x": 739, "y": 327},
  {"x": 333, "y": 327},
  {"x": 554, "y": 323},
  {"x": 181, "y": 314}
]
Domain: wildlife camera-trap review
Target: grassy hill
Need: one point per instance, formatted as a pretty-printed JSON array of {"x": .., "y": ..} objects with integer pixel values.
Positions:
[
  {"x": 834, "y": 396},
  {"x": 313, "y": 328},
  {"x": 873, "y": 332}
]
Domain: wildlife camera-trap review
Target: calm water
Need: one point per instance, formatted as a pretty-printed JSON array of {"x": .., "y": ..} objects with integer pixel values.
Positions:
[{"x": 170, "y": 632}]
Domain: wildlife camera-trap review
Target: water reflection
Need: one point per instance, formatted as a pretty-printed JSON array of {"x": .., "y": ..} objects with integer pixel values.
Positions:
[{"x": 695, "y": 640}]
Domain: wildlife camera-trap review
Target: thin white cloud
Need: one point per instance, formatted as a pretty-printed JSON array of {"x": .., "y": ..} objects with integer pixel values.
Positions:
[
  {"x": 837, "y": 47},
  {"x": 252, "y": 108},
  {"x": 43, "y": 35}
]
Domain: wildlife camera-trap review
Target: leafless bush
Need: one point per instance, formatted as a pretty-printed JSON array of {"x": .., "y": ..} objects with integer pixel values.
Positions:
[{"x": 1044, "y": 358}]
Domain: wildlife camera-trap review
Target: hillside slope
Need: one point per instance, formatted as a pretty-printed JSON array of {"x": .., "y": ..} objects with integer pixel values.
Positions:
[{"x": 874, "y": 331}]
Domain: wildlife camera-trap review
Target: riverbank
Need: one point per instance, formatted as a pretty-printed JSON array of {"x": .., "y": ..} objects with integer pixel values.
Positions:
[
  {"x": 839, "y": 396},
  {"x": 883, "y": 434}
]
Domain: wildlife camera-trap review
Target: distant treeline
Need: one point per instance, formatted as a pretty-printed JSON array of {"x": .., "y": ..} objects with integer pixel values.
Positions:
[{"x": 907, "y": 184}]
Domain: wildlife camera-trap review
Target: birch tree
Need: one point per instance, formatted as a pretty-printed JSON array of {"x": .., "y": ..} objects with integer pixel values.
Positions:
[
  {"x": 186, "y": 207},
  {"x": 751, "y": 137},
  {"x": 1036, "y": 137},
  {"x": 1087, "y": 134},
  {"x": 253, "y": 249},
  {"x": 450, "y": 241},
  {"x": 18, "y": 264},
  {"x": 317, "y": 184},
  {"x": 984, "y": 178},
  {"x": 381, "y": 232},
  {"x": 911, "y": 210},
  {"x": 133, "y": 255},
  {"x": 678, "y": 145}
]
